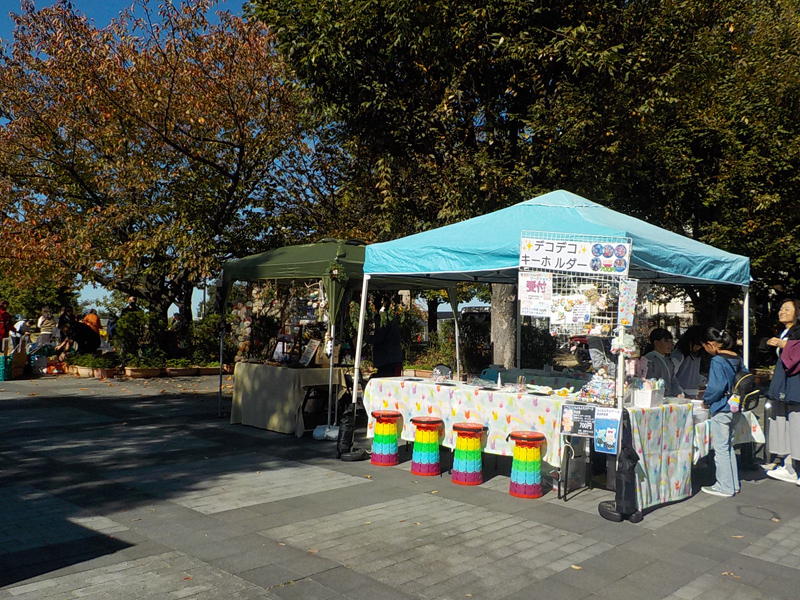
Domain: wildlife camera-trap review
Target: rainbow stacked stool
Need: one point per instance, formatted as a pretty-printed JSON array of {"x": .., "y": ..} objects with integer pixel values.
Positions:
[
  {"x": 467, "y": 464},
  {"x": 526, "y": 469},
  {"x": 384, "y": 444},
  {"x": 425, "y": 458}
]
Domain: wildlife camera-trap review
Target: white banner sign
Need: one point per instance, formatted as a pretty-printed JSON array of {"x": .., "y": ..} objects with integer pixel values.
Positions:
[
  {"x": 575, "y": 257},
  {"x": 535, "y": 292}
]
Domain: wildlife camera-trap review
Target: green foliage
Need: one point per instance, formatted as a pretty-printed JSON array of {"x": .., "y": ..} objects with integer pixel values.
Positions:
[
  {"x": 90, "y": 361},
  {"x": 112, "y": 303},
  {"x": 441, "y": 349},
  {"x": 179, "y": 363},
  {"x": 28, "y": 301},
  {"x": 149, "y": 359},
  {"x": 681, "y": 113},
  {"x": 205, "y": 341},
  {"x": 537, "y": 347},
  {"x": 128, "y": 334},
  {"x": 139, "y": 333}
]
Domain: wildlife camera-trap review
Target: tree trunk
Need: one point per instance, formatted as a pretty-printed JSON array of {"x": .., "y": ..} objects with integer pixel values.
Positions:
[
  {"x": 712, "y": 305},
  {"x": 504, "y": 324},
  {"x": 433, "y": 315}
]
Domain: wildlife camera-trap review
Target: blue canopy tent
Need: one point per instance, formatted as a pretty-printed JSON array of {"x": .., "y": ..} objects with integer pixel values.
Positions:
[{"x": 486, "y": 249}]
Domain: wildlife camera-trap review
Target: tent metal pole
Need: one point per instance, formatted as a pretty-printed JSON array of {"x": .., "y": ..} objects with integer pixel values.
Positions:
[
  {"x": 360, "y": 337},
  {"x": 221, "y": 350},
  {"x": 620, "y": 387},
  {"x": 330, "y": 371},
  {"x": 746, "y": 328},
  {"x": 222, "y": 302},
  {"x": 518, "y": 307},
  {"x": 452, "y": 295}
]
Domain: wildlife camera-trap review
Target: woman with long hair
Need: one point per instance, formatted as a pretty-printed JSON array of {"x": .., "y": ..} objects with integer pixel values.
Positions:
[
  {"x": 783, "y": 438},
  {"x": 687, "y": 358},
  {"x": 725, "y": 362}
]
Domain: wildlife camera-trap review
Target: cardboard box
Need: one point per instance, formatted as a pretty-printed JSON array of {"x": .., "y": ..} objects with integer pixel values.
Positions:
[
  {"x": 321, "y": 360},
  {"x": 648, "y": 398}
]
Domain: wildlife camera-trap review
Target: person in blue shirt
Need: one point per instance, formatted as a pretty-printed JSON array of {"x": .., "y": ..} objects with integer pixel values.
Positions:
[{"x": 722, "y": 372}]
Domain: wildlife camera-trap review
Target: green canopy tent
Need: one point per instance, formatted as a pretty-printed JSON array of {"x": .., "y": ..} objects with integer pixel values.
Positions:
[
  {"x": 338, "y": 263},
  {"x": 340, "y": 266}
]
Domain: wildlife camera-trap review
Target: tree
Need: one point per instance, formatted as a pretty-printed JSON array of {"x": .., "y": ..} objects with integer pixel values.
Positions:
[
  {"x": 30, "y": 300},
  {"x": 683, "y": 113},
  {"x": 143, "y": 154}
]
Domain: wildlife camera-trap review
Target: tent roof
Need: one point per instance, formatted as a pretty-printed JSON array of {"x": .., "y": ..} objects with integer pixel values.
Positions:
[
  {"x": 313, "y": 261},
  {"x": 307, "y": 261},
  {"x": 486, "y": 248}
]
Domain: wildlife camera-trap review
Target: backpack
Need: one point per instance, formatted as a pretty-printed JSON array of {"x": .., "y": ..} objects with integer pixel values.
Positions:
[{"x": 743, "y": 389}]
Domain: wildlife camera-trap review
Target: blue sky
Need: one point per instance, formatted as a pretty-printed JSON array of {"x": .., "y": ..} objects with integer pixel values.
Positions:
[{"x": 101, "y": 11}]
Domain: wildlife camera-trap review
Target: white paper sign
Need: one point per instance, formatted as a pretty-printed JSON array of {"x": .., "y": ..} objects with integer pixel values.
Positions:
[
  {"x": 535, "y": 291},
  {"x": 575, "y": 257},
  {"x": 568, "y": 310}
]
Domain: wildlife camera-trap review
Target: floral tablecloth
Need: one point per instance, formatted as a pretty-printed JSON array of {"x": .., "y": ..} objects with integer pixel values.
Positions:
[
  {"x": 501, "y": 412},
  {"x": 748, "y": 429},
  {"x": 663, "y": 439}
]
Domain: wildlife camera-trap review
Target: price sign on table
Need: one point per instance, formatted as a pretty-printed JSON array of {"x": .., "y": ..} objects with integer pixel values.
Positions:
[{"x": 577, "y": 419}]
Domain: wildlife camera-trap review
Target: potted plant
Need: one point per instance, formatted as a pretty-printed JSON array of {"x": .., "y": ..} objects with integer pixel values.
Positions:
[
  {"x": 80, "y": 364},
  {"x": 179, "y": 367},
  {"x": 209, "y": 368},
  {"x": 144, "y": 366},
  {"x": 103, "y": 368}
]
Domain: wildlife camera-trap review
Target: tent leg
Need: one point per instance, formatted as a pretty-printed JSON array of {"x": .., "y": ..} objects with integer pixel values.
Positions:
[
  {"x": 518, "y": 307},
  {"x": 746, "y": 328},
  {"x": 221, "y": 349},
  {"x": 360, "y": 337},
  {"x": 330, "y": 372},
  {"x": 452, "y": 296}
]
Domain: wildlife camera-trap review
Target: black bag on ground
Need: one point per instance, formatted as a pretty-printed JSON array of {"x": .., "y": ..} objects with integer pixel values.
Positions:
[{"x": 347, "y": 425}]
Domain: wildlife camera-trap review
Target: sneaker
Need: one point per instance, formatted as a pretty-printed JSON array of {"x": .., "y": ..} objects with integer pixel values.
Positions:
[
  {"x": 769, "y": 466},
  {"x": 783, "y": 474},
  {"x": 710, "y": 489}
]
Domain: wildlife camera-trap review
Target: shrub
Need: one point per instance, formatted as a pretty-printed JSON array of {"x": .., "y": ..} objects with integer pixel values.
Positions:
[
  {"x": 205, "y": 341},
  {"x": 179, "y": 363},
  {"x": 148, "y": 358},
  {"x": 537, "y": 347}
]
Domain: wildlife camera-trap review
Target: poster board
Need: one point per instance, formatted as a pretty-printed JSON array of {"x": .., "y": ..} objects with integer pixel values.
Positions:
[
  {"x": 577, "y": 420},
  {"x": 607, "y": 427},
  {"x": 535, "y": 293},
  {"x": 310, "y": 351}
]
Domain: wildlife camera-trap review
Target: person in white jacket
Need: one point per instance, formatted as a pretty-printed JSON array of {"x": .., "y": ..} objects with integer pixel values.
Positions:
[{"x": 659, "y": 365}]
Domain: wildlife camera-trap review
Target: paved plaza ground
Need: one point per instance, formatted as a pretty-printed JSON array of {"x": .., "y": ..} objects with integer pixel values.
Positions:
[{"x": 138, "y": 490}]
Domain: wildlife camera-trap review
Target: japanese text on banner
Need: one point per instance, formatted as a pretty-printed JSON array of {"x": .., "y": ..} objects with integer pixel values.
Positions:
[{"x": 575, "y": 257}]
